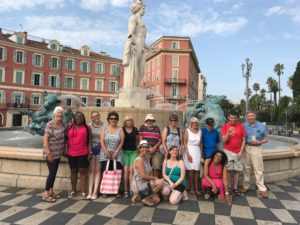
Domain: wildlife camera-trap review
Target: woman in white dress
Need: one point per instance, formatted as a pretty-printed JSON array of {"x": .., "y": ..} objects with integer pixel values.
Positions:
[{"x": 192, "y": 154}]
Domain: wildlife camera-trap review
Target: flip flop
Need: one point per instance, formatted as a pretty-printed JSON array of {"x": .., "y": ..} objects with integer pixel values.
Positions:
[{"x": 48, "y": 199}]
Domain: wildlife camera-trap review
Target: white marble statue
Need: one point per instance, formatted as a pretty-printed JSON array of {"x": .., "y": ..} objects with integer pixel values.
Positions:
[{"x": 135, "y": 48}]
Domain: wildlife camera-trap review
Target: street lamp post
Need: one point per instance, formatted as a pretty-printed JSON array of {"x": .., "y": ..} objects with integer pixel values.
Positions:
[{"x": 247, "y": 74}]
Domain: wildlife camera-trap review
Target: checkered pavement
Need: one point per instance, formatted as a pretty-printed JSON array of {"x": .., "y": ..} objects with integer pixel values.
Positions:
[{"x": 24, "y": 206}]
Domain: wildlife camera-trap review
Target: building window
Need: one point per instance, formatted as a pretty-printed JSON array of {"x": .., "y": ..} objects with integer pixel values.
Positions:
[
  {"x": 54, "y": 47},
  {"x": 85, "y": 67},
  {"x": 37, "y": 60},
  {"x": 54, "y": 81},
  {"x": 70, "y": 64},
  {"x": 114, "y": 69},
  {"x": 174, "y": 91},
  {"x": 54, "y": 62},
  {"x": 113, "y": 86},
  {"x": 84, "y": 100},
  {"x": 174, "y": 105},
  {"x": 20, "y": 40},
  {"x": 98, "y": 102},
  {"x": 36, "y": 99},
  {"x": 84, "y": 84},
  {"x": 37, "y": 79},
  {"x": 99, "y": 83},
  {"x": 68, "y": 102},
  {"x": 3, "y": 54},
  {"x": 174, "y": 45},
  {"x": 19, "y": 57},
  {"x": 99, "y": 68},
  {"x": 2, "y": 97},
  {"x": 153, "y": 77},
  {"x": 112, "y": 102},
  {"x": 17, "y": 97},
  {"x": 69, "y": 82},
  {"x": 175, "y": 60},
  {"x": 174, "y": 75},
  {"x": 19, "y": 77},
  {"x": 2, "y": 74}
]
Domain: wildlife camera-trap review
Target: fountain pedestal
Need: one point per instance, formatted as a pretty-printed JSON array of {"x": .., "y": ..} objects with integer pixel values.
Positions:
[{"x": 133, "y": 99}]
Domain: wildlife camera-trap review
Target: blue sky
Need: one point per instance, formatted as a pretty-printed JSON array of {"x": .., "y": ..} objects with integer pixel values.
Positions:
[{"x": 223, "y": 32}]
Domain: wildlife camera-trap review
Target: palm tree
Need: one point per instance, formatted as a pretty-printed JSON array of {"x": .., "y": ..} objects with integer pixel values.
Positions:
[
  {"x": 290, "y": 82},
  {"x": 256, "y": 87},
  {"x": 278, "y": 69},
  {"x": 273, "y": 88}
]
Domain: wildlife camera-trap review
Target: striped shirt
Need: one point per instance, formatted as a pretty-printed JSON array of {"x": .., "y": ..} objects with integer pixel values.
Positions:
[{"x": 152, "y": 136}]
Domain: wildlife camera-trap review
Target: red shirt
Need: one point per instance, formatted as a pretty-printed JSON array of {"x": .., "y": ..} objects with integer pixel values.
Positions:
[
  {"x": 234, "y": 142},
  {"x": 77, "y": 141}
]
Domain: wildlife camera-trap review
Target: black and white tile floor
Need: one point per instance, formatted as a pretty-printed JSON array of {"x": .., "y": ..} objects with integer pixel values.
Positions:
[{"x": 24, "y": 206}]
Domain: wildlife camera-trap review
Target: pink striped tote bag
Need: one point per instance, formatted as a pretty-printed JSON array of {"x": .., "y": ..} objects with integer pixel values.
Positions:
[{"x": 111, "y": 179}]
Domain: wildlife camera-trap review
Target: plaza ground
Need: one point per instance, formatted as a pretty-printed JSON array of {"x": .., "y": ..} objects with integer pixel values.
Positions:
[{"x": 24, "y": 206}]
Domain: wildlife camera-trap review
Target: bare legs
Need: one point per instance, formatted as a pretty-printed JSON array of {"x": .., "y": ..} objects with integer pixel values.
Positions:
[
  {"x": 128, "y": 174},
  {"x": 94, "y": 177},
  {"x": 174, "y": 196},
  {"x": 193, "y": 181},
  {"x": 83, "y": 178}
]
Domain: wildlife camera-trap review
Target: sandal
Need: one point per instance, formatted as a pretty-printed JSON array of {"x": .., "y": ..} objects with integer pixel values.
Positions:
[
  {"x": 55, "y": 196},
  {"x": 237, "y": 192},
  {"x": 83, "y": 196},
  {"x": 72, "y": 194},
  {"x": 94, "y": 197},
  {"x": 126, "y": 194},
  {"x": 48, "y": 199},
  {"x": 230, "y": 191}
]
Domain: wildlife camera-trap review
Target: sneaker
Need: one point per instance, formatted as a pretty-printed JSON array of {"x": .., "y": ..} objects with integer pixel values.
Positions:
[
  {"x": 244, "y": 190},
  {"x": 264, "y": 194}
]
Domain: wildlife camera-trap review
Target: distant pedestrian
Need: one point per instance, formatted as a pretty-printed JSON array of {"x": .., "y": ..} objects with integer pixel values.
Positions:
[
  {"x": 54, "y": 145},
  {"x": 257, "y": 134}
]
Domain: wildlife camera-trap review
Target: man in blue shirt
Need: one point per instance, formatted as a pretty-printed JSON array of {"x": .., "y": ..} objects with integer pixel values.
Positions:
[
  {"x": 256, "y": 136},
  {"x": 210, "y": 139}
]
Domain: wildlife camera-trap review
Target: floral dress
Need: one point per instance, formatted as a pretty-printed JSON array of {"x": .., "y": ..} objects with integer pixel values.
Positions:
[{"x": 112, "y": 142}]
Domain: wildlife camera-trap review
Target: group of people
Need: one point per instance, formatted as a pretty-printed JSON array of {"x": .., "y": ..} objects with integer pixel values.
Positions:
[{"x": 155, "y": 164}]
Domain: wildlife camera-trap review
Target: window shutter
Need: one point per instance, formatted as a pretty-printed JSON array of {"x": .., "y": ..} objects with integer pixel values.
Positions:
[
  {"x": 4, "y": 54},
  {"x": 22, "y": 98},
  {"x": 118, "y": 70},
  {"x": 95, "y": 102},
  {"x": 4, "y": 96},
  {"x": 15, "y": 56},
  {"x": 32, "y": 99},
  {"x": 13, "y": 97},
  {"x": 33, "y": 59},
  {"x": 59, "y": 62},
  {"x": 66, "y": 64},
  {"x": 32, "y": 79},
  {"x": 42, "y": 60},
  {"x": 50, "y": 60},
  {"x": 42, "y": 80},
  {"x": 58, "y": 81},
  {"x": 74, "y": 64},
  {"x": 88, "y": 67},
  {"x": 81, "y": 66},
  {"x": 73, "y": 83},
  {"x": 87, "y": 102},
  {"x": 96, "y": 68},
  {"x": 24, "y": 58}
]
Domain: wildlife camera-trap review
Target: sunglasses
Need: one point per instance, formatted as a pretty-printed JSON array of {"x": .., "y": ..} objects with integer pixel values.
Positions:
[{"x": 113, "y": 118}]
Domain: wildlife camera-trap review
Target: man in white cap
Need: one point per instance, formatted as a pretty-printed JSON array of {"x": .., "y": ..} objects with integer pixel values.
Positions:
[{"x": 151, "y": 133}]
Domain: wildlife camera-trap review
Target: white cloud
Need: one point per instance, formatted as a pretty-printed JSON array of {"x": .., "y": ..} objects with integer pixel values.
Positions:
[
  {"x": 8, "y": 5},
  {"x": 275, "y": 10},
  {"x": 75, "y": 31},
  {"x": 292, "y": 36},
  {"x": 187, "y": 21},
  {"x": 99, "y": 5}
]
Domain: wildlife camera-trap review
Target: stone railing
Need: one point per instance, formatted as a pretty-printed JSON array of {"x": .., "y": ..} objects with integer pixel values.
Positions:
[{"x": 20, "y": 167}]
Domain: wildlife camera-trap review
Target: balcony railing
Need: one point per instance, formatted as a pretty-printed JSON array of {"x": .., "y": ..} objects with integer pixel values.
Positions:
[
  {"x": 175, "y": 81},
  {"x": 175, "y": 97},
  {"x": 17, "y": 105}
]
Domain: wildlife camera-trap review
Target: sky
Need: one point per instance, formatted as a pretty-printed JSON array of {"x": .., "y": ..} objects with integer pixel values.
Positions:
[{"x": 223, "y": 32}]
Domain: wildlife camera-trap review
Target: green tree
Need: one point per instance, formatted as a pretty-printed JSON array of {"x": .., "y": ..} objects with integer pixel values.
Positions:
[
  {"x": 273, "y": 88},
  {"x": 226, "y": 106},
  {"x": 296, "y": 81},
  {"x": 256, "y": 87},
  {"x": 278, "y": 69}
]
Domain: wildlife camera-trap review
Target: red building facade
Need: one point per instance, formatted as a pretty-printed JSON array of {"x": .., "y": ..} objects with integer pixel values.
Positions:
[
  {"x": 32, "y": 67},
  {"x": 172, "y": 73}
]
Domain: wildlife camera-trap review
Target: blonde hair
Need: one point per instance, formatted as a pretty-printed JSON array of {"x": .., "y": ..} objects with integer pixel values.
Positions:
[
  {"x": 128, "y": 117},
  {"x": 193, "y": 119}
]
